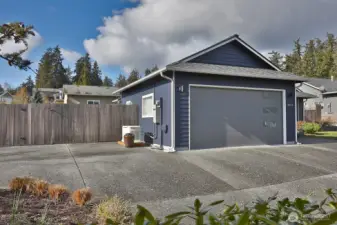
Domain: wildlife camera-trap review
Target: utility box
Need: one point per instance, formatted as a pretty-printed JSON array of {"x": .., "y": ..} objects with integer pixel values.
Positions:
[{"x": 157, "y": 112}]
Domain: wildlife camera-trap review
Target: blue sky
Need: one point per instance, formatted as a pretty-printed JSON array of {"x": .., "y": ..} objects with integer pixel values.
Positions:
[
  {"x": 156, "y": 32},
  {"x": 59, "y": 22}
]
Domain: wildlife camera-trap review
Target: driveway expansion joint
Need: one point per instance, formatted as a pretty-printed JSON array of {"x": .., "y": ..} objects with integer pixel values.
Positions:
[{"x": 78, "y": 168}]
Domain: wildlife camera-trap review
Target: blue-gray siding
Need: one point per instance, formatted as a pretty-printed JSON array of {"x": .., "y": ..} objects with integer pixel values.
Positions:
[
  {"x": 182, "y": 99},
  {"x": 232, "y": 54},
  {"x": 300, "y": 109},
  {"x": 161, "y": 89}
]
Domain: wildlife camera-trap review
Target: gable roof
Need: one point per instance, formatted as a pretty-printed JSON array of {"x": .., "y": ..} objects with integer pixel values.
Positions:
[
  {"x": 89, "y": 90},
  {"x": 233, "y": 71},
  {"x": 184, "y": 63},
  {"x": 322, "y": 84},
  {"x": 230, "y": 39},
  {"x": 5, "y": 93}
]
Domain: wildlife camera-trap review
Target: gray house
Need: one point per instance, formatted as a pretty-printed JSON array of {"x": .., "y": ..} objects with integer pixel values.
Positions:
[
  {"x": 6, "y": 98},
  {"x": 325, "y": 95},
  {"x": 225, "y": 95},
  {"x": 92, "y": 95}
]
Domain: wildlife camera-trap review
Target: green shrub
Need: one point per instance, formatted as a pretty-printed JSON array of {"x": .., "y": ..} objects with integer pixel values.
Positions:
[
  {"x": 311, "y": 128},
  {"x": 261, "y": 212}
]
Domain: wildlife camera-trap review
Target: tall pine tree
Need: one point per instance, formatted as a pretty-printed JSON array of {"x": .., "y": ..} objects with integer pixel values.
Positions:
[
  {"x": 96, "y": 75},
  {"x": 308, "y": 61},
  {"x": 134, "y": 76},
  {"x": 121, "y": 81},
  {"x": 276, "y": 58},
  {"x": 82, "y": 62},
  {"x": 107, "y": 82},
  {"x": 44, "y": 77}
]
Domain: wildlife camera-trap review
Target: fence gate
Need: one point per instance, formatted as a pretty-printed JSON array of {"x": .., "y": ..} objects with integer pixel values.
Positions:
[{"x": 313, "y": 115}]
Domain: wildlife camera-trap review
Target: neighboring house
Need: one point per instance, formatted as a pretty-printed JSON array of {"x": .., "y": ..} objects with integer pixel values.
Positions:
[
  {"x": 6, "y": 98},
  {"x": 325, "y": 92},
  {"x": 228, "y": 94},
  {"x": 49, "y": 94},
  {"x": 302, "y": 97},
  {"x": 92, "y": 95}
]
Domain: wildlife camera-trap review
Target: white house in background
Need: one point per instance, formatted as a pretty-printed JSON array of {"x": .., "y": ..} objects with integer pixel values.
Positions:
[{"x": 6, "y": 98}]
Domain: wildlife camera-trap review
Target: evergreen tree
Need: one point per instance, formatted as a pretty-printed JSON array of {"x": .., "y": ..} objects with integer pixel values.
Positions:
[
  {"x": 147, "y": 71},
  {"x": 29, "y": 84},
  {"x": 84, "y": 77},
  {"x": 134, "y": 76},
  {"x": 276, "y": 58},
  {"x": 44, "y": 76},
  {"x": 155, "y": 68},
  {"x": 68, "y": 74},
  {"x": 309, "y": 62},
  {"x": 1, "y": 89},
  {"x": 329, "y": 63},
  {"x": 121, "y": 81},
  {"x": 58, "y": 70},
  {"x": 107, "y": 82},
  {"x": 96, "y": 75},
  {"x": 37, "y": 98},
  {"x": 84, "y": 61}
]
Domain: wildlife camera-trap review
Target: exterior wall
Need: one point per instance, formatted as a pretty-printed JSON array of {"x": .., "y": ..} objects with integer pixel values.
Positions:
[
  {"x": 329, "y": 111},
  {"x": 182, "y": 99},
  {"x": 161, "y": 88},
  {"x": 300, "y": 109},
  {"x": 6, "y": 99},
  {"x": 232, "y": 54},
  {"x": 311, "y": 102},
  {"x": 83, "y": 99}
]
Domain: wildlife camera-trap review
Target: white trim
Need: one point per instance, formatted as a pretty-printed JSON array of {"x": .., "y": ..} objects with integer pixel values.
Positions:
[
  {"x": 330, "y": 92},
  {"x": 147, "y": 96},
  {"x": 92, "y": 100},
  {"x": 172, "y": 109},
  {"x": 156, "y": 73},
  {"x": 284, "y": 106},
  {"x": 310, "y": 85},
  {"x": 296, "y": 116},
  {"x": 235, "y": 38}
]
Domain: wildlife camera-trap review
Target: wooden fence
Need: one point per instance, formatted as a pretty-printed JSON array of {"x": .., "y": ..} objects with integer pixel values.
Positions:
[
  {"x": 313, "y": 115},
  {"x": 38, "y": 124}
]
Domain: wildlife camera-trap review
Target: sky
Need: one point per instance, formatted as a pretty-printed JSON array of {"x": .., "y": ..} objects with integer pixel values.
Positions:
[{"x": 126, "y": 34}]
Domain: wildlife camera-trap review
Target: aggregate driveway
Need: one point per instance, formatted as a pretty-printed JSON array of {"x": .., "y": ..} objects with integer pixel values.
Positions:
[{"x": 143, "y": 175}]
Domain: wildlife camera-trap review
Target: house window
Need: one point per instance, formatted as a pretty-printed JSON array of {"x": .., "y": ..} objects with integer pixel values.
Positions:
[
  {"x": 93, "y": 102},
  {"x": 329, "y": 108},
  {"x": 147, "y": 106}
]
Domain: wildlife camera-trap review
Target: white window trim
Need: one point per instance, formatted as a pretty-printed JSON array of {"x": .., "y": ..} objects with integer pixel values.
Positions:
[
  {"x": 147, "y": 96},
  {"x": 99, "y": 102}
]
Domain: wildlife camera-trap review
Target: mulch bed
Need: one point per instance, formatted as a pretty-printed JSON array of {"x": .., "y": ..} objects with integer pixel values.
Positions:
[{"x": 31, "y": 209}]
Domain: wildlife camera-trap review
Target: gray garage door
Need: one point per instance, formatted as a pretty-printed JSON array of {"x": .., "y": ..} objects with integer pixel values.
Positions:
[{"x": 234, "y": 117}]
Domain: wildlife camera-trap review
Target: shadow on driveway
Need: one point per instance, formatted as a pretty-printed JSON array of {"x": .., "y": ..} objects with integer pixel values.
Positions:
[{"x": 315, "y": 140}]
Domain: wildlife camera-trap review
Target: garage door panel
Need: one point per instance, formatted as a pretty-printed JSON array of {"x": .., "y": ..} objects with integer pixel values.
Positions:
[{"x": 232, "y": 117}]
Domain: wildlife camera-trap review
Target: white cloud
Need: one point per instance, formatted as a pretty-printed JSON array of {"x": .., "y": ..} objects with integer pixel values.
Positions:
[
  {"x": 69, "y": 55},
  {"x": 162, "y": 31},
  {"x": 11, "y": 46}
]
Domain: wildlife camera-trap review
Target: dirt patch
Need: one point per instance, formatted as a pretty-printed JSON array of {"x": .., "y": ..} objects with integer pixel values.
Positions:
[{"x": 32, "y": 209}]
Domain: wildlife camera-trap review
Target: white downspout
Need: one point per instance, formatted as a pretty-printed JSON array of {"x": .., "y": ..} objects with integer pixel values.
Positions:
[{"x": 172, "y": 111}]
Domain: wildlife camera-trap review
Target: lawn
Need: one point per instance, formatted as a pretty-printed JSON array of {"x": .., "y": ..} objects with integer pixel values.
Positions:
[{"x": 324, "y": 134}]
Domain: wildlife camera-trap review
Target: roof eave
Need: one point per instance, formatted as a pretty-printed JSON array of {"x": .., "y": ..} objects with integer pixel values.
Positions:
[
  {"x": 151, "y": 75},
  {"x": 329, "y": 93}
]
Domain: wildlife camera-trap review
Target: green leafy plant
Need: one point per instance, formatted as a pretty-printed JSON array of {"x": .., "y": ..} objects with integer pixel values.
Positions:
[
  {"x": 311, "y": 128},
  {"x": 261, "y": 212}
]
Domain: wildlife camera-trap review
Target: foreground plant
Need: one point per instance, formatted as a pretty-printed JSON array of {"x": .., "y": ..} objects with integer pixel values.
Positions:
[
  {"x": 114, "y": 209},
  {"x": 58, "y": 192},
  {"x": 262, "y": 212},
  {"x": 82, "y": 196}
]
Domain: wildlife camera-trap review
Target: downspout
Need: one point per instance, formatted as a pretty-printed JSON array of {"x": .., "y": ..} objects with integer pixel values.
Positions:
[{"x": 172, "y": 110}]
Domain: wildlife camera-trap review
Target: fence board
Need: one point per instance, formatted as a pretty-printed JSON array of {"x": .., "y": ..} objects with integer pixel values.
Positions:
[{"x": 38, "y": 124}]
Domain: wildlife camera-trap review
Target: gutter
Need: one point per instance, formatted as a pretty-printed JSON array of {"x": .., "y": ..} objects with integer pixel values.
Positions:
[{"x": 172, "y": 110}]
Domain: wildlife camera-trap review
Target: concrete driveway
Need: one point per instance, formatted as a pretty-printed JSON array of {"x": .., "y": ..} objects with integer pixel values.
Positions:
[{"x": 160, "y": 180}]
